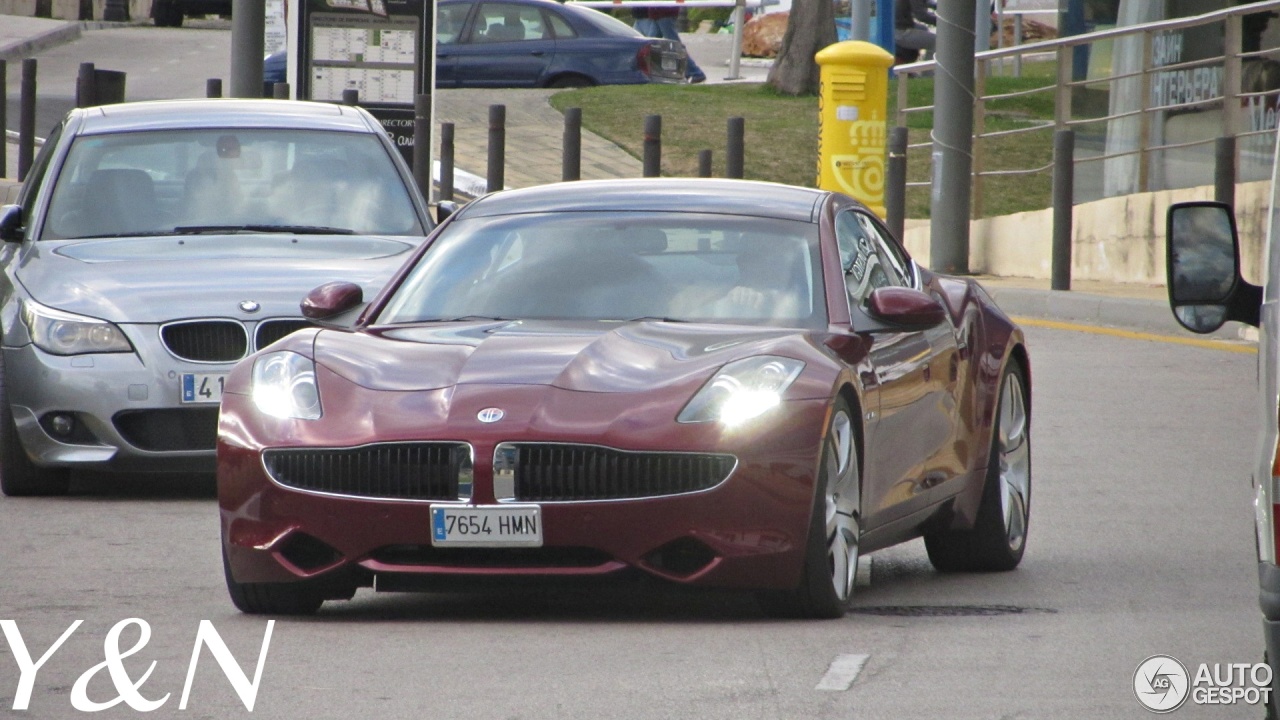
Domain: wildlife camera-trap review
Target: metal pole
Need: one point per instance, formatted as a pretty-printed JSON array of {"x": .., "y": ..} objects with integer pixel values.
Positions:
[
  {"x": 860, "y": 20},
  {"x": 497, "y": 147},
  {"x": 85, "y": 88},
  {"x": 422, "y": 143},
  {"x": 248, "y": 22},
  {"x": 734, "y": 151},
  {"x": 571, "y": 164},
  {"x": 952, "y": 159},
  {"x": 27, "y": 118},
  {"x": 1064, "y": 144},
  {"x": 1224, "y": 170},
  {"x": 213, "y": 88},
  {"x": 446, "y": 161},
  {"x": 652, "y": 145},
  {"x": 4, "y": 120},
  {"x": 704, "y": 163},
  {"x": 735, "y": 52},
  {"x": 280, "y": 91},
  {"x": 895, "y": 186}
]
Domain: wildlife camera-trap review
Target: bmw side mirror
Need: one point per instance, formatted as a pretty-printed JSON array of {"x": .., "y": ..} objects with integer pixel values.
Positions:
[
  {"x": 905, "y": 307},
  {"x": 333, "y": 303},
  {"x": 11, "y": 223},
  {"x": 1205, "y": 286}
]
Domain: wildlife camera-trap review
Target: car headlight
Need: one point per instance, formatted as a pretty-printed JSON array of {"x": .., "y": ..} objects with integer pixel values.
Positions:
[
  {"x": 742, "y": 390},
  {"x": 62, "y": 333},
  {"x": 284, "y": 386}
]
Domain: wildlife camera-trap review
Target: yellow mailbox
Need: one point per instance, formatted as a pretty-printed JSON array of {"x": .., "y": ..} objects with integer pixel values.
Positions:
[{"x": 853, "y": 106}]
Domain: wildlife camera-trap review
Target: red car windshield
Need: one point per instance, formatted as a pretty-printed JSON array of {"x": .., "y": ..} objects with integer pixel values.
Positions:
[{"x": 618, "y": 267}]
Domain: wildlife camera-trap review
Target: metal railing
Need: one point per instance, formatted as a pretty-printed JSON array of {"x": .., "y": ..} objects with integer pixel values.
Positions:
[{"x": 1150, "y": 119}]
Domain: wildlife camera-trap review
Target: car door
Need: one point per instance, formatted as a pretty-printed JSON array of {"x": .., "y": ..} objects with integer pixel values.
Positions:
[
  {"x": 508, "y": 45},
  {"x": 451, "y": 32},
  {"x": 909, "y": 442}
]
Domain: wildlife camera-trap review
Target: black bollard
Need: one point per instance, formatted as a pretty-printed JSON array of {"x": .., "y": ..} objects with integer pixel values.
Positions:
[
  {"x": 733, "y": 160},
  {"x": 280, "y": 91},
  {"x": 652, "y": 145},
  {"x": 571, "y": 166},
  {"x": 422, "y": 143},
  {"x": 86, "y": 86},
  {"x": 27, "y": 118},
  {"x": 895, "y": 186},
  {"x": 446, "y": 161},
  {"x": 213, "y": 88},
  {"x": 4, "y": 122},
  {"x": 704, "y": 163},
  {"x": 351, "y": 96},
  {"x": 1064, "y": 144},
  {"x": 496, "y": 179}
]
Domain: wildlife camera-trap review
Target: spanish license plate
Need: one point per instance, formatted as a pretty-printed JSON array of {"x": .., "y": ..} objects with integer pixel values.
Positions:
[
  {"x": 202, "y": 387},
  {"x": 486, "y": 526},
  {"x": 669, "y": 64}
]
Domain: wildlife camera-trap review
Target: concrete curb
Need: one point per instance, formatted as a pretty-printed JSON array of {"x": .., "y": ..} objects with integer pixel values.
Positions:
[{"x": 68, "y": 32}]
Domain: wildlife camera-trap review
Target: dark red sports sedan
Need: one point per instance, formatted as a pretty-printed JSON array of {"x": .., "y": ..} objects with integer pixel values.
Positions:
[{"x": 714, "y": 382}]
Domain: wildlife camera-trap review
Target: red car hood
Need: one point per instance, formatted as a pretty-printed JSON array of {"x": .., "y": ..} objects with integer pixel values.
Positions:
[{"x": 578, "y": 356}]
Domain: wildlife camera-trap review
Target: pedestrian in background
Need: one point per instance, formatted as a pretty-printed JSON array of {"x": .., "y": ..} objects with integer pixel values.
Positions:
[
  {"x": 912, "y": 23},
  {"x": 662, "y": 22},
  {"x": 643, "y": 23}
]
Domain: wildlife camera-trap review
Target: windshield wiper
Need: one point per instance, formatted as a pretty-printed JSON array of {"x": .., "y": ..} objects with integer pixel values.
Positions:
[
  {"x": 467, "y": 318},
  {"x": 291, "y": 229},
  {"x": 653, "y": 318}
]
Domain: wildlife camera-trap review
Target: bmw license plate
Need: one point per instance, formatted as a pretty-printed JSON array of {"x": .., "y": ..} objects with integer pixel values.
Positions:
[
  {"x": 202, "y": 387},
  {"x": 486, "y": 526}
]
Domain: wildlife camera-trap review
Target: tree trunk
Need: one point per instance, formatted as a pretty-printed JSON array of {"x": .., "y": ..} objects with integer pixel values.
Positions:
[{"x": 810, "y": 27}]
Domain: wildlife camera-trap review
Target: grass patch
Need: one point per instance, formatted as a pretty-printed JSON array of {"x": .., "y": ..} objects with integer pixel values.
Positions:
[{"x": 781, "y": 138}]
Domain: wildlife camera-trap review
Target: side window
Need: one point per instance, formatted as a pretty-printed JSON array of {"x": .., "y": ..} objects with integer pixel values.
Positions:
[
  {"x": 864, "y": 269},
  {"x": 499, "y": 22},
  {"x": 888, "y": 250},
  {"x": 449, "y": 22},
  {"x": 561, "y": 28}
]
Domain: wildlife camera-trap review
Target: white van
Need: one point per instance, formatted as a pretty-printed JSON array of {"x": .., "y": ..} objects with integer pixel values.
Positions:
[{"x": 1206, "y": 289}]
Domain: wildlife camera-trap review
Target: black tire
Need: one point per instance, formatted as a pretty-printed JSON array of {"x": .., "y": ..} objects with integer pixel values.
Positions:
[
  {"x": 817, "y": 595},
  {"x": 19, "y": 477},
  {"x": 999, "y": 535},
  {"x": 296, "y": 598},
  {"x": 570, "y": 81},
  {"x": 167, "y": 14}
]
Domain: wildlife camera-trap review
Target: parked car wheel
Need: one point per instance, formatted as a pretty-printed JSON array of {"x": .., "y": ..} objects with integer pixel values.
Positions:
[
  {"x": 167, "y": 14},
  {"x": 999, "y": 536},
  {"x": 298, "y": 598},
  {"x": 831, "y": 560},
  {"x": 19, "y": 476}
]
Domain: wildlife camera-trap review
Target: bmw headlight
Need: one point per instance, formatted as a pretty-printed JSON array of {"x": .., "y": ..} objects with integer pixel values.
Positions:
[
  {"x": 284, "y": 386},
  {"x": 63, "y": 333},
  {"x": 742, "y": 390}
]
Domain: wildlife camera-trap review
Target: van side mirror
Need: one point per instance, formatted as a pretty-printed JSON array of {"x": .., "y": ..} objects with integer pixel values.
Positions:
[
  {"x": 11, "y": 223},
  {"x": 1203, "y": 264}
]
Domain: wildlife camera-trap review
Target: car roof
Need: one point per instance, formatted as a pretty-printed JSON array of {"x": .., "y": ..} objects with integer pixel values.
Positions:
[
  {"x": 720, "y": 196},
  {"x": 219, "y": 112}
]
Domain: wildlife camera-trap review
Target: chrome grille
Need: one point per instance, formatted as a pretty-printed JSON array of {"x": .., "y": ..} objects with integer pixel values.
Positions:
[
  {"x": 555, "y": 472},
  {"x": 269, "y": 331},
  {"x": 395, "y": 471},
  {"x": 206, "y": 340}
]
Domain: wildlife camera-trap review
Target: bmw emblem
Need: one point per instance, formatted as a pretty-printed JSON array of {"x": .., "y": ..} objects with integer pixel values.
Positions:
[
  {"x": 250, "y": 306},
  {"x": 490, "y": 415}
]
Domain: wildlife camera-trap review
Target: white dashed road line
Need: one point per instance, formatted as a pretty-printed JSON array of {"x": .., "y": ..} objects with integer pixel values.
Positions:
[{"x": 843, "y": 671}]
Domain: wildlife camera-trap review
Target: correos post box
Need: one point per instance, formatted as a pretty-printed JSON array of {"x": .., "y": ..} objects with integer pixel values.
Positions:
[{"x": 852, "y": 116}]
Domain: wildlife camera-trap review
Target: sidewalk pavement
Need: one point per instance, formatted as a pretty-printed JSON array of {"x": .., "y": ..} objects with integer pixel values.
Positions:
[{"x": 533, "y": 140}]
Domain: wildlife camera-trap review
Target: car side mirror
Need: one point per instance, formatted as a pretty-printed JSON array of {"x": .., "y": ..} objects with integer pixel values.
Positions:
[
  {"x": 11, "y": 223},
  {"x": 905, "y": 307},
  {"x": 332, "y": 302},
  {"x": 1203, "y": 264},
  {"x": 444, "y": 209}
]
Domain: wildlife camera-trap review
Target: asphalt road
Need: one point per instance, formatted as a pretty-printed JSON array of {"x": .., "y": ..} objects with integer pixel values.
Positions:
[{"x": 1140, "y": 544}]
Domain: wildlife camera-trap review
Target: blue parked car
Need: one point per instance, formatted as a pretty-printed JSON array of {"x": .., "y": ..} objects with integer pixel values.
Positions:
[{"x": 537, "y": 43}]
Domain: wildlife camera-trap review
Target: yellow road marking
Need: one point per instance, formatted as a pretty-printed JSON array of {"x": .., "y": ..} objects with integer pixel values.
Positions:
[{"x": 1132, "y": 335}]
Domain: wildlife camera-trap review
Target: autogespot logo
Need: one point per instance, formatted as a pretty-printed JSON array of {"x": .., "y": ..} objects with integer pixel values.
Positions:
[{"x": 1161, "y": 683}]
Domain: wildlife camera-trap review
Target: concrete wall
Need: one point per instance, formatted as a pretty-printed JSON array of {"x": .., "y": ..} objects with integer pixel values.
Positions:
[
  {"x": 70, "y": 9},
  {"x": 1117, "y": 239}
]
